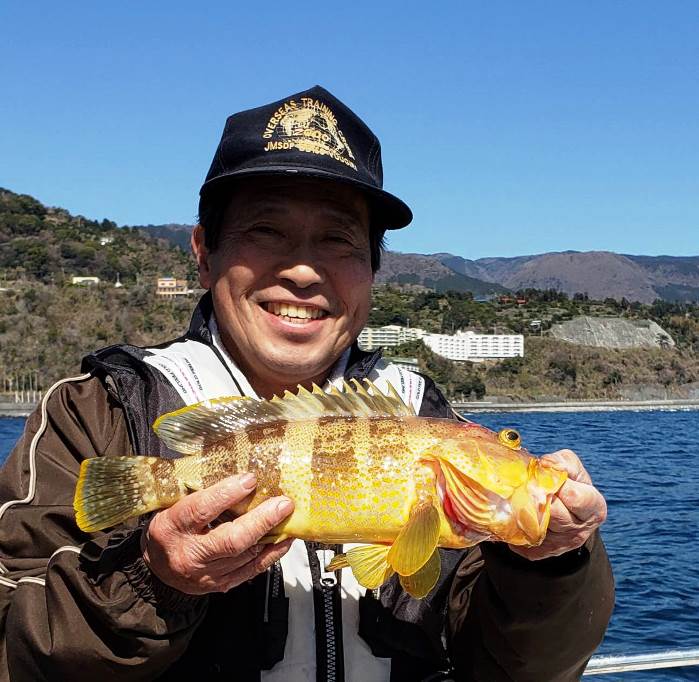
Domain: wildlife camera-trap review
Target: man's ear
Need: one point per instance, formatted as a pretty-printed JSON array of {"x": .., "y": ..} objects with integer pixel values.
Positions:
[{"x": 201, "y": 253}]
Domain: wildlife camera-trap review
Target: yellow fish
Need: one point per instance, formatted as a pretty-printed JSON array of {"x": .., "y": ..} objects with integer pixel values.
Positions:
[{"x": 360, "y": 468}]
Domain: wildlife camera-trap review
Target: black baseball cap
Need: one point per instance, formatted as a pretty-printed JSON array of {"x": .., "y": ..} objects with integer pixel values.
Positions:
[{"x": 309, "y": 134}]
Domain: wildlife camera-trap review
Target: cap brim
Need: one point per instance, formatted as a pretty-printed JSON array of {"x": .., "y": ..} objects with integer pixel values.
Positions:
[{"x": 388, "y": 209}]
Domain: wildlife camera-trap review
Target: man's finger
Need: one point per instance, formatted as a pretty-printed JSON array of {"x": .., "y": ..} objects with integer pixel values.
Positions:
[
  {"x": 561, "y": 518},
  {"x": 224, "y": 566},
  {"x": 194, "y": 512},
  {"x": 568, "y": 461},
  {"x": 584, "y": 501},
  {"x": 269, "y": 555},
  {"x": 235, "y": 537}
]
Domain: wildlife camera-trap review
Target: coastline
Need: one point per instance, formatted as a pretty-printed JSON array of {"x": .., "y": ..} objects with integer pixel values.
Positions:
[
  {"x": 576, "y": 406},
  {"x": 10, "y": 409}
]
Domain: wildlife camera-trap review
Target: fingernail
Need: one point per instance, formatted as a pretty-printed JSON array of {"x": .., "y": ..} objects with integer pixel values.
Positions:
[
  {"x": 285, "y": 506},
  {"x": 248, "y": 481}
]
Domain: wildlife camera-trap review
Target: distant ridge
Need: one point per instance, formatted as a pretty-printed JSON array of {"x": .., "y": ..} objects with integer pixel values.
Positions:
[{"x": 600, "y": 274}]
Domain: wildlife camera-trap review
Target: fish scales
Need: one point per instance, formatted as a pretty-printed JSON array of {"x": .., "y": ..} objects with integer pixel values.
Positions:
[
  {"x": 360, "y": 483},
  {"x": 349, "y": 477}
]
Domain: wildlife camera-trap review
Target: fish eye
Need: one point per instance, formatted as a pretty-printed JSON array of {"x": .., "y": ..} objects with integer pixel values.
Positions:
[{"x": 510, "y": 438}]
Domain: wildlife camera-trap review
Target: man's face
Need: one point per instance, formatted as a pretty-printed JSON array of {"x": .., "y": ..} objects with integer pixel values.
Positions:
[{"x": 291, "y": 277}]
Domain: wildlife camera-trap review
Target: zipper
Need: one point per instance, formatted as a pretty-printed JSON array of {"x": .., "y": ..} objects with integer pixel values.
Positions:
[
  {"x": 327, "y": 606},
  {"x": 272, "y": 587}
]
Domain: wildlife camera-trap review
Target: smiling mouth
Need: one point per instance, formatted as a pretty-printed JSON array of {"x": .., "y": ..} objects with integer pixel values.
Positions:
[{"x": 295, "y": 314}]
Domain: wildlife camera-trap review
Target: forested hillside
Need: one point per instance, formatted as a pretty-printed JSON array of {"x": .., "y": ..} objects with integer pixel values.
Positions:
[{"x": 50, "y": 245}]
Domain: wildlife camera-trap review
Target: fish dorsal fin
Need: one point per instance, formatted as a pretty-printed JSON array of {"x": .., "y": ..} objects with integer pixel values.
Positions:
[{"x": 190, "y": 429}]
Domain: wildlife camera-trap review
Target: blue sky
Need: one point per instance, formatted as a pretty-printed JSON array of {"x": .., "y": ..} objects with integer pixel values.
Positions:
[{"x": 510, "y": 128}]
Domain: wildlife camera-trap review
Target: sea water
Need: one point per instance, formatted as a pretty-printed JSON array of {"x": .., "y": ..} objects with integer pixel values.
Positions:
[{"x": 647, "y": 466}]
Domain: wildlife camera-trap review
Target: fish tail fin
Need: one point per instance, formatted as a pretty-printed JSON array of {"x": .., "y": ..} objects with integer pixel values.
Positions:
[{"x": 113, "y": 489}]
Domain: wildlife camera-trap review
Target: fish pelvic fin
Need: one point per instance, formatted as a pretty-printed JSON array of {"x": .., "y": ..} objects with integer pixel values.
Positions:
[
  {"x": 369, "y": 564},
  {"x": 339, "y": 561},
  {"x": 111, "y": 490},
  {"x": 417, "y": 540},
  {"x": 190, "y": 429},
  {"x": 419, "y": 584}
]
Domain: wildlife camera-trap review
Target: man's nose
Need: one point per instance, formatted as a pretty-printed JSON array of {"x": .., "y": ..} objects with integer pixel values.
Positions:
[{"x": 302, "y": 268}]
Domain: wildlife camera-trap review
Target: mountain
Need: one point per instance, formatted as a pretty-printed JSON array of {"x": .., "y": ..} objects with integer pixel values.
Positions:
[
  {"x": 429, "y": 271},
  {"x": 600, "y": 274},
  {"x": 175, "y": 233}
]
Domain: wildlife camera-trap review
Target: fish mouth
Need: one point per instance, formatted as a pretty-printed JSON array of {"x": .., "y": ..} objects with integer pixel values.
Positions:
[{"x": 295, "y": 313}]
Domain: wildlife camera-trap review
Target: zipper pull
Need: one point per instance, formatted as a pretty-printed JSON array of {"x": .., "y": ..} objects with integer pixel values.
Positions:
[{"x": 327, "y": 578}]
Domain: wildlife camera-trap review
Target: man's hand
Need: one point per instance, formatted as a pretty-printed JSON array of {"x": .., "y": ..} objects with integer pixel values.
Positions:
[
  {"x": 577, "y": 510},
  {"x": 182, "y": 550}
]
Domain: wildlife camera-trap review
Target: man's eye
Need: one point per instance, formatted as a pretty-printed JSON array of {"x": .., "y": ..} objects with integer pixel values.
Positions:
[
  {"x": 263, "y": 231},
  {"x": 340, "y": 239}
]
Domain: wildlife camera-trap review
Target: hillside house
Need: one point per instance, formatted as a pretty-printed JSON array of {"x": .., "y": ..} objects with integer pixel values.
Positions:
[{"x": 170, "y": 287}]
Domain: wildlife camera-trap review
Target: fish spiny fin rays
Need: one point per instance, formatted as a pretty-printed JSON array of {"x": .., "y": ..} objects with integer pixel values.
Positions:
[
  {"x": 192, "y": 428},
  {"x": 419, "y": 584},
  {"x": 369, "y": 564},
  {"x": 417, "y": 540},
  {"x": 175, "y": 428}
]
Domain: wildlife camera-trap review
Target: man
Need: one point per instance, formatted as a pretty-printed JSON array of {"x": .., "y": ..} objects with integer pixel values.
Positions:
[{"x": 292, "y": 219}]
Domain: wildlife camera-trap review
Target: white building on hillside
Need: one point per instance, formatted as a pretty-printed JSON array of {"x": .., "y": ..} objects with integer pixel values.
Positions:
[
  {"x": 411, "y": 364},
  {"x": 475, "y": 347},
  {"x": 84, "y": 281},
  {"x": 390, "y": 335}
]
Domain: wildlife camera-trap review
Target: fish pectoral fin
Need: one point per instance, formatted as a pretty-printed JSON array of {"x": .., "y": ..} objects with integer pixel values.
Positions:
[
  {"x": 368, "y": 563},
  {"x": 419, "y": 584},
  {"x": 417, "y": 540}
]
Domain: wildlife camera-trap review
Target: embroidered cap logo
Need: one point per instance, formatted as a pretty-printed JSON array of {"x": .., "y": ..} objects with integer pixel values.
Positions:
[{"x": 308, "y": 125}]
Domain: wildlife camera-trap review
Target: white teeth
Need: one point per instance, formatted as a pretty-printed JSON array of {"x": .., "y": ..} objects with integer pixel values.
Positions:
[{"x": 295, "y": 311}]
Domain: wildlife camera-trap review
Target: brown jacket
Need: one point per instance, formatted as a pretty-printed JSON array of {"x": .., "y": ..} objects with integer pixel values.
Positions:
[{"x": 79, "y": 607}]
